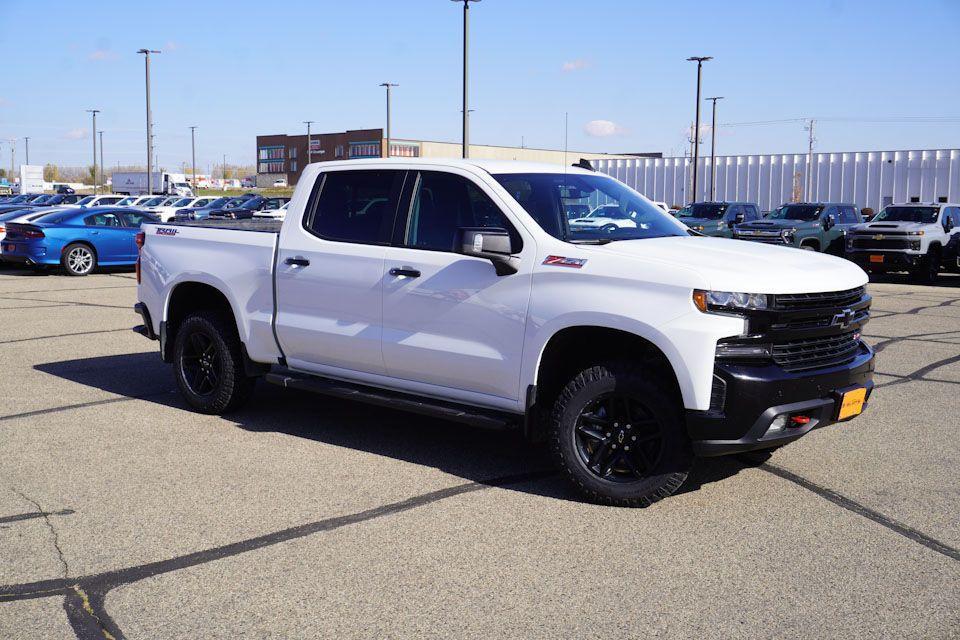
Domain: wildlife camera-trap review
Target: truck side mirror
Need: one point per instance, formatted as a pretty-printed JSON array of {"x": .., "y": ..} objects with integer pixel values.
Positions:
[
  {"x": 738, "y": 218},
  {"x": 829, "y": 222},
  {"x": 490, "y": 243},
  {"x": 948, "y": 224}
]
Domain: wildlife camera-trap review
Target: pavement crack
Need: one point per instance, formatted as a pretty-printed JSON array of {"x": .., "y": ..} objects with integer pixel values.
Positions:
[{"x": 53, "y": 530}]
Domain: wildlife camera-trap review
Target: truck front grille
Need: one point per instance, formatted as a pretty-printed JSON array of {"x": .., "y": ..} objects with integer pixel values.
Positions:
[
  {"x": 792, "y": 301},
  {"x": 817, "y": 353},
  {"x": 869, "y": 242}
]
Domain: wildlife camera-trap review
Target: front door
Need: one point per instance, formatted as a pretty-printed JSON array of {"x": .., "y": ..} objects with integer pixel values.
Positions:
[
  {"x": 330, "y": 272},
  {"x": 450, "y": 320},
  {"x": 109, "y": 238}
]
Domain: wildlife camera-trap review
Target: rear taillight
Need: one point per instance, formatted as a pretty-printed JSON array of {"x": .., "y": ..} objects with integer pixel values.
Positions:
[
  {"x": 2, "y": 228},
  {"x": 33, "y": 234},
  {"x": 141, "y": 240}
]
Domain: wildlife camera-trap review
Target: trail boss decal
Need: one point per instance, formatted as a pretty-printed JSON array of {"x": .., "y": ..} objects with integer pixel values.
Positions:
[
  {"x": 561, "y": 261},
  {"x": 166, "y": 231}
]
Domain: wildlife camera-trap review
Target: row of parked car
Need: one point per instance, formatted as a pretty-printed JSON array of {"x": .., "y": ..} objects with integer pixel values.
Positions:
[
  {"x": 81, "y": 233},
  {"x": 167, "y": 208},
  {"x": 919, "y": 238}
]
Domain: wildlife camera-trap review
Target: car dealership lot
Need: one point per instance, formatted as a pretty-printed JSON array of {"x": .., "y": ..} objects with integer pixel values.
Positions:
[{"x": 300, "y": 516}]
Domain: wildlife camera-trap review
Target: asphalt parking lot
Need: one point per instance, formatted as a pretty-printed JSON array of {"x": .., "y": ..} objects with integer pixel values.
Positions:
[{"x": 123, "y": 515}]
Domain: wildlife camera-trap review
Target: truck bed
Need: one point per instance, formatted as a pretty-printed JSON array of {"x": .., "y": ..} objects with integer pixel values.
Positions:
[{"x": 263, "y": 225}]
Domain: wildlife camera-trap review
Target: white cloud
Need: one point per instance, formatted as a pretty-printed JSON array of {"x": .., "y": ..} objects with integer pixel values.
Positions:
[
  {"x": 75, "y": 134},
  {"x": 171, "y": 46},
  {"x": 603, "y": 129},
  {"x": 100, "y": 55},
  {"x": 575, "y": 65}
]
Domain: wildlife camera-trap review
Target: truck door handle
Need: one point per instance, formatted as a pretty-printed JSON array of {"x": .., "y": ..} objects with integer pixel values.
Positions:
[
  {"x": 401, "y": 271},
  {"x": 300, "y": 262}
]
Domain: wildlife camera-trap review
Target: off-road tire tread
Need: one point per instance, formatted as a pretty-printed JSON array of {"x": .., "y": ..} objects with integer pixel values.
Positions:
[
  {"x": 236, "y": 387},
  {"x": 620, "y": 371}
]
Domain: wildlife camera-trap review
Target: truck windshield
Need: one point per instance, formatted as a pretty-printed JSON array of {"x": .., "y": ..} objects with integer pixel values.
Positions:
[
  {"x": 153, "y": 202},
  {"x": 616, "y": 211},
  {"x": 797, "y": 212},
  {"x": 219, "y": 202},
  {"x": 86, "y": 200},
  {"x": 704, "y": 210},
  {"x": 900, "y": 213}
]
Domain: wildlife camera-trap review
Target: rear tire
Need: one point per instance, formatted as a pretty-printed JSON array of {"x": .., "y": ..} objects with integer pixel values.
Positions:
[
  {"x": 78, "y": 259},
  {"x": 208, "y": 363},
  {"x": 620, "y": 436}
]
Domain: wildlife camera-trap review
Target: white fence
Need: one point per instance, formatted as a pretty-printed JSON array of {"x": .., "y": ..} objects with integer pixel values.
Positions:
[{"x": 865, "y": 178}]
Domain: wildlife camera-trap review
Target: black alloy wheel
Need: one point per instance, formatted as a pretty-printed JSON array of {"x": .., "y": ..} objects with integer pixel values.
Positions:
[
  {"x": 618, "y": 438},
  {"x": 201, "y": 364}
]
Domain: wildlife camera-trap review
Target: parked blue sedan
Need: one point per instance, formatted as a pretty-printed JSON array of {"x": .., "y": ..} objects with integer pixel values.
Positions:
[{"x": 78, "y": 239}]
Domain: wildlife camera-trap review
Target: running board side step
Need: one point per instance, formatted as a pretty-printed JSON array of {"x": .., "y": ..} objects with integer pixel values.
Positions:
[{"x": 473, "y": 416}]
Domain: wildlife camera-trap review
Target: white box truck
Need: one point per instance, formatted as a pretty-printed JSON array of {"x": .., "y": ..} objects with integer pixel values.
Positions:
[{"x": 135, "y": 184}]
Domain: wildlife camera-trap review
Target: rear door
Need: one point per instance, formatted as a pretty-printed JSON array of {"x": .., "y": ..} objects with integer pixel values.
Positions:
[
  {"x": 108, "y": 236},
  {"x": 449, "y": 321},
  {"x": 329, "y": 272}
]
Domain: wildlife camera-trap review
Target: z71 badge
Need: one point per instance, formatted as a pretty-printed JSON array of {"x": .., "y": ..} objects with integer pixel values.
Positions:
[{"x": 561, "y": 261}]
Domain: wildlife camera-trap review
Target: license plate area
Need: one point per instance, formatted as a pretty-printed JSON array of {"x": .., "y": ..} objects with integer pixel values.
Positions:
[{"x": 851, "y": 403}]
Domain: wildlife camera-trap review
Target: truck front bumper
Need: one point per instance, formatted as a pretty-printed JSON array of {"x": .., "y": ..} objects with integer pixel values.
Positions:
[
  {"x": 891, "y": 260},
  {"x": 755, "y": 396}
]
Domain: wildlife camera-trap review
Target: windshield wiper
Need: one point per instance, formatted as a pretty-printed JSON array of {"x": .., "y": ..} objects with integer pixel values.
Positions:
[{"x": 592, "y": 241}]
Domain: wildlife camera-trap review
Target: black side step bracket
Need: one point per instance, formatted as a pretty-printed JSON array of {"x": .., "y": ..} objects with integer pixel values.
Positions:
[{"x": 474, "y": 416}]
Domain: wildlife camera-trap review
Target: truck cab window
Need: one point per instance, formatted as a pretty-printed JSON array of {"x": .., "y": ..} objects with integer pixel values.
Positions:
[
  {"x": 442, "y": 204},
  {"x": 356, "y": 206}
]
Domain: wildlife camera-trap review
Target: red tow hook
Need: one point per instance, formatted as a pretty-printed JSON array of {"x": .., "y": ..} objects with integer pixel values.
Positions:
[{"x": 799, "y": 421}]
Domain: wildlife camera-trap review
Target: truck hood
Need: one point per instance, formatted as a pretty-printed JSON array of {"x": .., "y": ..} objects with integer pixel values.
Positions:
[
  {"x": 889, "y": 227},
  {"x": 745, "y": 267},
  {"x": 772, "y": 225}
]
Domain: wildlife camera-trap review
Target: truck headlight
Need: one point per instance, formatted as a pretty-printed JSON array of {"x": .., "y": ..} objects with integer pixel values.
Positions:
[{"x": 725, "y": 301}]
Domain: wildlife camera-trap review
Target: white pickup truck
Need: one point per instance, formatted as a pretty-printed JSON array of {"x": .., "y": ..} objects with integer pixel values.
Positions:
[
  {"x": 921, "y": 238},
  {"x": 459, "y": 289}
]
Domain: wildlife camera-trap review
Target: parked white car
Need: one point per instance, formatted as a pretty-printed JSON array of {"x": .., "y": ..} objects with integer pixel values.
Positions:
[
  {"x": 606, "y": 217},
  {"x": 274, "y": 208},
  {"x": 104, "y": 200},
  {"x": 279, "y": 183},
  {"x": 629, "y": 350},
  {"x": 168, "y": 209}
]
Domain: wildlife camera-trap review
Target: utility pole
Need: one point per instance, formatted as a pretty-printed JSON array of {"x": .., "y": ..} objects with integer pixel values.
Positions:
[
  {"x": 26, "y": 141},
  {"x": 466, "y": 83},
  {"x": 309, "y": 148},
  {"x": 146, "y": 60},
  {"x": 808, "y": 191},
  {"x": 94, "y": 112},
  {"x": 223, "y": 171},
  {"x": 103, "y": 177},
  {"x": 388, "y": 85},
  {"x": 13, "y": 154},
  {"x": 193, "y": 156},
  {"x": 713, "y": 147},
  {"x": 696, "y": 133}
]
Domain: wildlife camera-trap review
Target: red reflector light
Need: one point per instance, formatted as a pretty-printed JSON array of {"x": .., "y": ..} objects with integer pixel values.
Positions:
[
  {"x": 141, "y": 238},
  {"x": 799, "y": 421}
]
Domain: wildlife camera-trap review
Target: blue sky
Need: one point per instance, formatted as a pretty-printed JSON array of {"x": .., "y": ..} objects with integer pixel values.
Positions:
[{"x": 239, "y": 69}]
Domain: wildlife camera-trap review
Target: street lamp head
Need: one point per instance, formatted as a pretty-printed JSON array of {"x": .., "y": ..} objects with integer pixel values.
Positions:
[
  {"x": 388, "y": 84},
  {"x": 715, "y": 98},
  {"x": 148, "y": 51},
  {"x": 699, "y": 59},
  {"x": 465, "y": 1}
]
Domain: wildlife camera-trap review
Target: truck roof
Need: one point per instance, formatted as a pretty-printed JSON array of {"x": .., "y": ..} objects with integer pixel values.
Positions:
[{"x": 490, "y": 166}]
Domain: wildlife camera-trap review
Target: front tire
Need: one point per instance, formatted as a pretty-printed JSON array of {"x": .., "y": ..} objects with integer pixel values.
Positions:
[
  {"x": 209, "y": 364},
  {"x": 78, "y": 259},
  {"x": 620, "y": 436},
  {"x": 929, "y": 268}
]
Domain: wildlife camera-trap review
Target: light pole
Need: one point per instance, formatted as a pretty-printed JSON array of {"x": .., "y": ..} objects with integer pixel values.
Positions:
[
  {"x": 26, "y": 141},
  {"x": 94, "y": 112},
  {"x": 223, "y": 172},
  {"x": 309, "y": 148},
  {"x": 713, "y": 146},
  {"x": 103, "y": 177},
  {"x": 146, "y": 60},
  {"x": 388, "y": 85},
  {"x": 696, "y": 131},
  {"x": 193, "y": 156},
  {"x": 466, "y": 84}
]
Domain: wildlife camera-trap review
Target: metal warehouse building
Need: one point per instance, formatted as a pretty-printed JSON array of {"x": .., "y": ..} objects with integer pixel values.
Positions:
[{"x": 865, "y": 178}]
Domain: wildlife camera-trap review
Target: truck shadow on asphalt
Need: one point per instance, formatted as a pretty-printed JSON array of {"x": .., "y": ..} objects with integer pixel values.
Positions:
[{"x": 474, "y": 454}]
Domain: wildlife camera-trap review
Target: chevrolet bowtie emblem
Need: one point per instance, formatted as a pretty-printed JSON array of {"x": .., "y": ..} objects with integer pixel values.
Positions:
[
  {"x": 844, "y": 318},
  {"x": 878, "y": 237}
]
